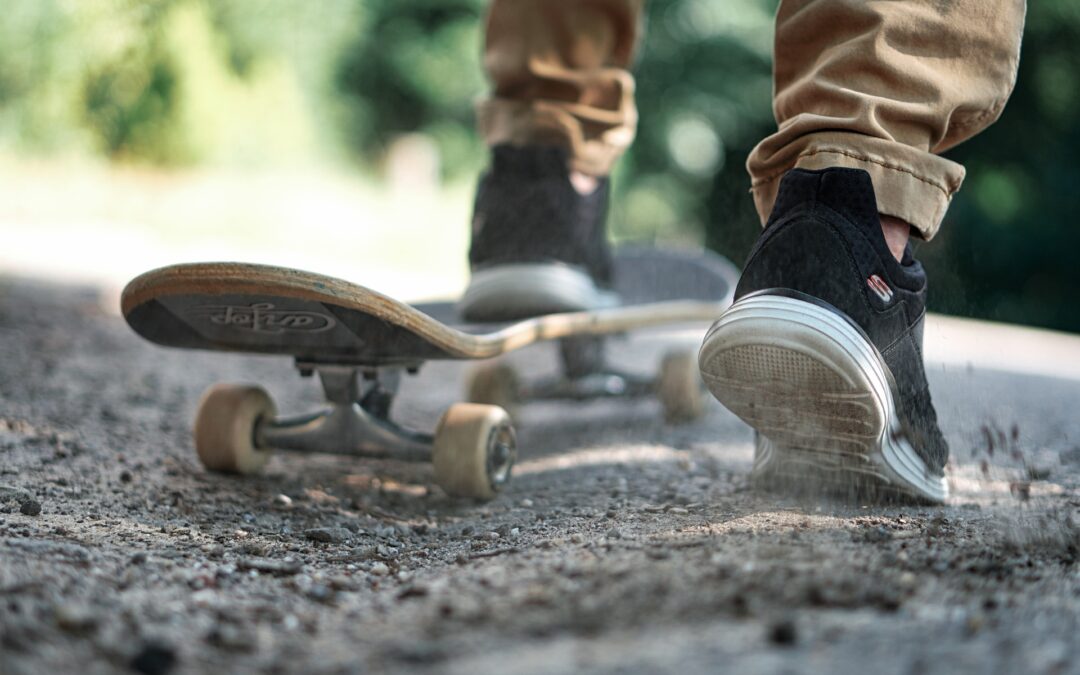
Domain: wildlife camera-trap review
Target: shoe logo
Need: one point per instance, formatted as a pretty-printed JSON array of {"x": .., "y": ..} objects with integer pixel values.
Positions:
[
  {"x": 878, "y": 286},
  {"x": 262, "y": 317}
]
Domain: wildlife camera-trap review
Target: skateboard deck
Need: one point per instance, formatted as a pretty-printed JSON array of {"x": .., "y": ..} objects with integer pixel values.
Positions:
[
  {"x": 319, "y": 319},
  {"x": 359, "y": 341}
]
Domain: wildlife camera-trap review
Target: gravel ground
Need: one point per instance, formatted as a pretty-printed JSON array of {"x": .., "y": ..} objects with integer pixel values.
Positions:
[{"x": 623, "y": 544}]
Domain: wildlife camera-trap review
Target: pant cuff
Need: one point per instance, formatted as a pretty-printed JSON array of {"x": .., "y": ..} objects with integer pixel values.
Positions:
[{"x": 909, "y": 184}]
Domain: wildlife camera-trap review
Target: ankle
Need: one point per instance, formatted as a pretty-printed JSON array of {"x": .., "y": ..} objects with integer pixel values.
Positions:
[
  {"x": 583, "y": 183},
  {"x": 897, "y": 232}
]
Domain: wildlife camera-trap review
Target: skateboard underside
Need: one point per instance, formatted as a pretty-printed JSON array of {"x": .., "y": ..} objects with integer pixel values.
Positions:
[{"x": 360, "y": 342}]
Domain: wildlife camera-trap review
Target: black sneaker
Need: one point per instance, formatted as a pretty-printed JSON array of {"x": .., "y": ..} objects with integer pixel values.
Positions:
[
  {"x": 538, "y": 246},
  {"x": 822, "y": 350}
]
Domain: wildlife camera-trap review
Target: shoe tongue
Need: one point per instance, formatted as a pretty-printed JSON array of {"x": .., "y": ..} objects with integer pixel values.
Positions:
[
  {"x": 851, "y": 193},
  {"x": 847, "y": 191}
]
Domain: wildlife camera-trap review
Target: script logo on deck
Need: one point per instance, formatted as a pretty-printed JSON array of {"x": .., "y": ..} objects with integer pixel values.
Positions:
[{"x": 263, "y": 317}]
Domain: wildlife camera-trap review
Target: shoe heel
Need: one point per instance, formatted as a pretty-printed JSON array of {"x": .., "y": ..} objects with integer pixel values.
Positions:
[{"x": 816, "y": 391}]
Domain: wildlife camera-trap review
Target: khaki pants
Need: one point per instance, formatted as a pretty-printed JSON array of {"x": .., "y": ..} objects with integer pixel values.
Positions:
[{"x": 880, "y": 85}]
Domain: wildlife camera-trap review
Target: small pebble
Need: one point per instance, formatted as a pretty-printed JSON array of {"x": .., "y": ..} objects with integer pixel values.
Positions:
[
  {"x": 974, "y": 624},
  {"x": 154, "y": 658},
  {"x": 30, "y": 507},
  {"x": 783, "y": 633},
  {"x": 321, "y": 593},
  {"x": 613, "y": 533},
  {"x": 125, "y": 476},
  {"x": 526, "y": 503},
  {"x": 282, "y": 501},
  {"x": 343, "y": 583},
  {"x": 577, "y": 538},
  {"x": 380, "y": 569},
  {"x": 76, "y": 619},
  {"x": 285, "y": 567},
  {"x": 328, "y": 535},
  {"x": 232, "y": 638}
]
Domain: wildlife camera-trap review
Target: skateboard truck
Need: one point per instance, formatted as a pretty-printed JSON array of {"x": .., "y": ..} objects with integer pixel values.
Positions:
[
  {"x": 586, "y": 375},
  {"x": 472, "y": 450},
  {"x": 356, "y": 423}
]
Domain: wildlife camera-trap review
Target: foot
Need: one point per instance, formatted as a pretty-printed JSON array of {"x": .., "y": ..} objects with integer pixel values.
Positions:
[
  {"x": 822, "y": 350},
  {"x": 538, "y": 243}
]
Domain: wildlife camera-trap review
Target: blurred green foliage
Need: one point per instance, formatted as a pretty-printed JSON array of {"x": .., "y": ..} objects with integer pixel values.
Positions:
[
  {"x": 1008, "y": 247},
  {"x": 704, "y": 87},
  {"x": 171, "y": 82},
  {"x": 415, "y": 69},
  {"x": 257, "y": 82}
]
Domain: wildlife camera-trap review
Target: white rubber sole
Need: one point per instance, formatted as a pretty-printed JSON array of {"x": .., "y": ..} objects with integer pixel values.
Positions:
[
  {"x": 530, "y": 289},
  {"x": 818, "y": 394}
]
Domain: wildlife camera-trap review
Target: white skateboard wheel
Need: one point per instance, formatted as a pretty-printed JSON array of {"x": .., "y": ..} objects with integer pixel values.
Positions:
[
  {"x": 225, "y": 427},
  {"x": 494, "y": 383},
  {"x": 679, "y": 387},
  {"x": 475, "y": 448}
]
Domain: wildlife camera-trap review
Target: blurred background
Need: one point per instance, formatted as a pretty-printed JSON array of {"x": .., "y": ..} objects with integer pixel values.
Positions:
[{"x": 337, "y": 135}]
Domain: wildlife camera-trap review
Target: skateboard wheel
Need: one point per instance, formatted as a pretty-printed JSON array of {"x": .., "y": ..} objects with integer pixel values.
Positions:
[
  {"x": 475, "y": 448},
  {"x": 679, "y": 387},
  {"x": 225, "y": 427},
  {"x": 495, "y": 383}
]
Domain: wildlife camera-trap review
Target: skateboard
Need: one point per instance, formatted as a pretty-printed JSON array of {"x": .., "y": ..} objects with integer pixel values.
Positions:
[{"x": 360, "y": 343}]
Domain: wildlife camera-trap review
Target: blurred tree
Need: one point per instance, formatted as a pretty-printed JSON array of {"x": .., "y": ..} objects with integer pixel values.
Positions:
[
  {"x": 170, "y": 81},
  {"x": 1008, "y": 247},
  {"x": 416, "y": 68},
  {"x": 704, "y": 96}
]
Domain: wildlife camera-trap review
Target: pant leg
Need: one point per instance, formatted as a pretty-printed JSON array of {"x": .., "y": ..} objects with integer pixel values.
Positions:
[
  {"x": 885, "y": 85},
  {"x": 559, "y": 76}
]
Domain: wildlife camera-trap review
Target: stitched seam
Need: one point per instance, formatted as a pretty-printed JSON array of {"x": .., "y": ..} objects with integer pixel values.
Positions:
[
  {"x": 774, "y": 176},
  {"x": 905, "y": 335}
]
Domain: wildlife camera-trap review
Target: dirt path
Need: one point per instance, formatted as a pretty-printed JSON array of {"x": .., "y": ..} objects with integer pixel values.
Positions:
[{"x": 623, "y": 545}]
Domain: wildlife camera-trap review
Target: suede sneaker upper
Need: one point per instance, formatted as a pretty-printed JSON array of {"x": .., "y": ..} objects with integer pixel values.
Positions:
[
  {"x": 527, "y": 211},
  {"x": 538, "y": 245},
  {"x": 824, "y": 239}
]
